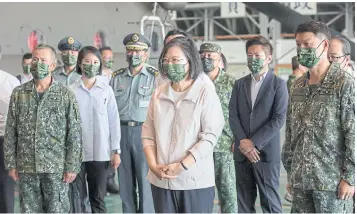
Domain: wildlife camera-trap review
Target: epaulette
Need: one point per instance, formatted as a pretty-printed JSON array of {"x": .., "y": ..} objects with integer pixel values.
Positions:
[
  {"x": 115, "y": 73},
  {"x": 152, "y": 70}
]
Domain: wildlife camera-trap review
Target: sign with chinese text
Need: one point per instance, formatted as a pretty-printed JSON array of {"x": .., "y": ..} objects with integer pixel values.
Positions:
[
  {"x": 173, "y": 14},
  {"x": 304, "y": 8},
  {"x": 232, "y": 9}
]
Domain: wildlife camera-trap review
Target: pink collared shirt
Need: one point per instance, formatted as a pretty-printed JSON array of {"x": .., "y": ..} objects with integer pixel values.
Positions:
[{"x": 192, "y": 125}]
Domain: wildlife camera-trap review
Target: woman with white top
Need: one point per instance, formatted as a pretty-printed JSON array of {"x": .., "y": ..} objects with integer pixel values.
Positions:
[
  {"x": 100, "y": 126},
  {"x": 183, "y": 124}
]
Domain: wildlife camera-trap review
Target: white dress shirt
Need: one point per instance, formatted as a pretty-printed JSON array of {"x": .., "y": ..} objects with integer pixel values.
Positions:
[
  {"x": 99, "y": 119},
  {"x": 255, "y": 86},
  {"x": 105, "y": 77},
  {"x": 7, "y": 84}
]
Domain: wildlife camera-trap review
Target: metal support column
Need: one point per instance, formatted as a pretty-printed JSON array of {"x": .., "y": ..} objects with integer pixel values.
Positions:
[
  {"x": 263, "y": 24},
  {"x": 275, "y": 29},
  {"x": 234, "y": 25},
  {"x": 211, "y": 26},
  {"x": 206, "y": 24},
  {"x": 195, "y": 30},
  {"x": 349, "y": 20}
]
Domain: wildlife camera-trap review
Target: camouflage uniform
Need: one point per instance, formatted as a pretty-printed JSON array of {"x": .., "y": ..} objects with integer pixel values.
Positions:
[
  {"x": 290, "y": 81},
  {"x": 223, "y": 156},
  {"x": 319, "y": 148},
  {"x": 42, "y": 141}
]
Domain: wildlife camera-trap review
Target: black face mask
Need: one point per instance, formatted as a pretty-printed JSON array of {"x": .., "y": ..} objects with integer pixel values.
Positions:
[{"x": 208, "y": 64}]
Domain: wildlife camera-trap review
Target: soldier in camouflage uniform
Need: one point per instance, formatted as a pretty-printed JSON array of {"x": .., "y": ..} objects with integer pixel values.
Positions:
[
  {"x": 43, "y": 141},
  {"x": 66, "y": 74},
  {"x": 298, "y": 71},
  {"x": 319, "y": 151},
  {"x": 212, "y": 58}
]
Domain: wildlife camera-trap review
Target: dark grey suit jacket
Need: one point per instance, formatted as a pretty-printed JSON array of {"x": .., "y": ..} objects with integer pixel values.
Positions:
[{"x": 261, "y": 124}]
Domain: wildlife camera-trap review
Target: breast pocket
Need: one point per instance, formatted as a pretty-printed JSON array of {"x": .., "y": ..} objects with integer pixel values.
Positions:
[
  {"x": 326, "y": 106},
  {"x": 57, "y": 111},
  {"x": 101, "y": 105},
  {"x": 145, "y": 89},
  {"x": 23, "y": 109},
  {"x": 121, "y": 91}
]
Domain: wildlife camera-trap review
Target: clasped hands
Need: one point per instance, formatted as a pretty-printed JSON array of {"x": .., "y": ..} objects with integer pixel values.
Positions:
[
  {"x": 246, "y": 146},
  {"x": 170, "y": 171}
]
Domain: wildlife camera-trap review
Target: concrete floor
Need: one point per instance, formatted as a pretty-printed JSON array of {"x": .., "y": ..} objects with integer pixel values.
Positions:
[{"x": 113, "y": 202}]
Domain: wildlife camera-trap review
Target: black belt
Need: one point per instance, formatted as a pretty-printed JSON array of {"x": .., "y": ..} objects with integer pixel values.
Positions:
[{"x": 131, "y": 123}]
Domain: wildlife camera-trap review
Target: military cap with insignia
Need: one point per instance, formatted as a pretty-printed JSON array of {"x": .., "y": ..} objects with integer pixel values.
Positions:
[
  {"x": 69, "y": 43},
  {"x": 210, "y": 47},
  {"x": 135, "y": 41}
]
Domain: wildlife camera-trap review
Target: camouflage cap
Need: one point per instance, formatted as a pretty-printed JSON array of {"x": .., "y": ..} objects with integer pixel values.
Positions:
[
  {"x": 69, "y": 43},
  {"x": 135, "y": 41},
  {"x": 210, "y": 47}
]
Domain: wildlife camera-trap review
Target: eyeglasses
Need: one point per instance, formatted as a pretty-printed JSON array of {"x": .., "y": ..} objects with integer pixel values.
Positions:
[
  {"x": 173, "y": 61},
  {"x": 335, "y": 58}
]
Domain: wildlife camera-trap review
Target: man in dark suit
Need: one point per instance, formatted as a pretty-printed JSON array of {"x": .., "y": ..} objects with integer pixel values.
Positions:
[{"x": 257, "y": 111}]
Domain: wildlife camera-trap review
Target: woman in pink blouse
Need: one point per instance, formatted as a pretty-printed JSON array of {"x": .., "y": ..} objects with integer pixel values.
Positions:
[{"x": 183, "y": 124}]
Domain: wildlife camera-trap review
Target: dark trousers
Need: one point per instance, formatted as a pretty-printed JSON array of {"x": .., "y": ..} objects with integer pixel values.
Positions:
[
  {"x": 265, "y": 176},
  {"x": 78, "y": 194},
  {"x": 7, "y": 185},
  {"x": 183, "y": 201},
  {"x": 133, "y": 170},
  {"x": 97, "y": 173}
]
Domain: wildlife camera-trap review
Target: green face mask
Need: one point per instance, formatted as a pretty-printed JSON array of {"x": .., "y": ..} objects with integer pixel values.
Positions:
[
  {"x": 174, "y": 72},
  {"x": 39, "y": 70},
  {"x": 90, "y": 70},
  {"x": 255, "y": 65},
  {"x": 108, "y": 63},
  {"x": 134, "y": 61},
  {"x": 208, "y": 64},
  {"x": 26, "y": 69},
  {"x": 69, "y": 59},
  {"x": 307, "y": 56}
]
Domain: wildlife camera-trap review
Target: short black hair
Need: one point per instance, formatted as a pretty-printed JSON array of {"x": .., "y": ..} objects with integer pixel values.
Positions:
[
  {"x": 83, "y": 53},
  {"x": 177, "y": 32},
  {"x": 107, "y": 48},
  {"x": 190, "y": 50},
  {"x": 295, "y": 63},
  {"x": 260, "y": 40},
  {"x": 26, "y": 56},
  {"x": 346, "y": 46},
  {"x": 45, "y": 46},
  {"x": 318, "y": 28}
]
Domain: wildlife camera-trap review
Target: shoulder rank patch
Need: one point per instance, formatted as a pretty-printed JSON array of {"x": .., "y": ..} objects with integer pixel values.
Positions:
[
  {"x": 115, "y": 73},
  {"x": 152, "y": 70}
]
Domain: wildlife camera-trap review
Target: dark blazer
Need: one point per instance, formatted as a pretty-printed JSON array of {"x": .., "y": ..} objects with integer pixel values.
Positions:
[{"x": 261, "y": 124}]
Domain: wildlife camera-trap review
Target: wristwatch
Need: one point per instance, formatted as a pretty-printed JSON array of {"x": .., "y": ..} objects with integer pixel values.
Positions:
[{"x": 116, "y": 151}]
